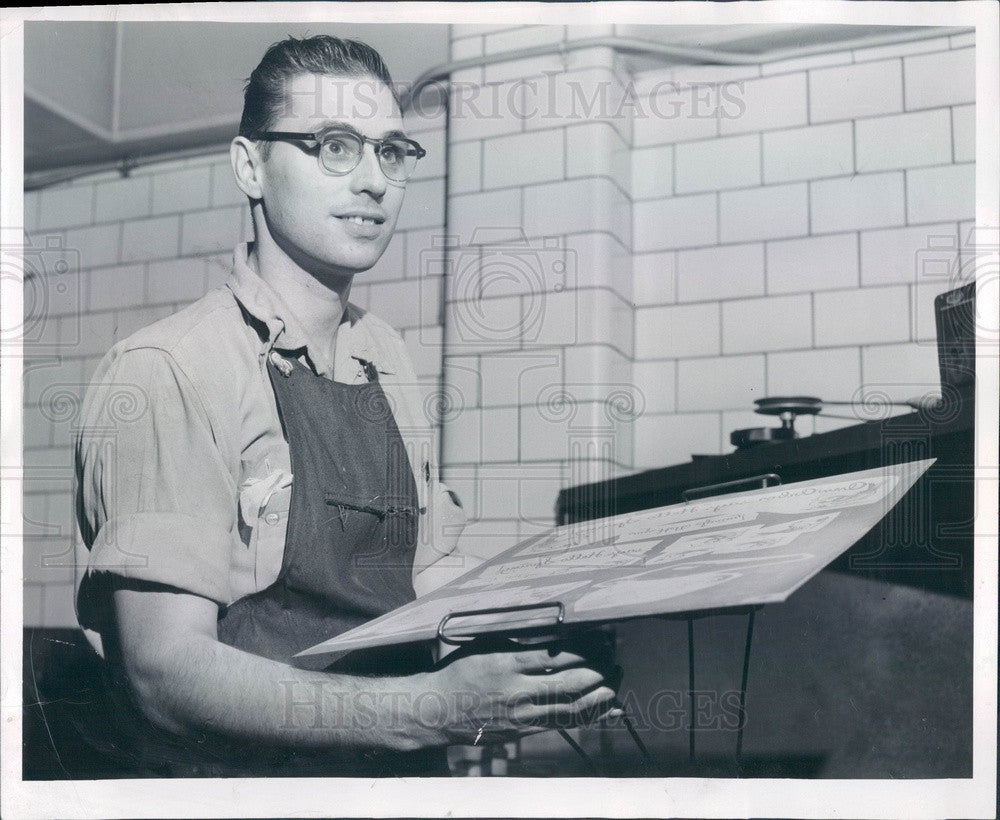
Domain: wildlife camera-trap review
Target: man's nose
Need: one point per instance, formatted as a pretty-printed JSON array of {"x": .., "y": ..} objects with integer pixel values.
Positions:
[{"x": 368, "y": 175}]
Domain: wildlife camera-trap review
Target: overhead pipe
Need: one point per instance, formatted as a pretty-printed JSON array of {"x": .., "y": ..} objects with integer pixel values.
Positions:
[{"x": 691, "y": 56}]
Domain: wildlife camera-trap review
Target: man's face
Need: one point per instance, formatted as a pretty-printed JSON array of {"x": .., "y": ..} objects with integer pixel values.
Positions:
[{"x": 313, "y": 215}]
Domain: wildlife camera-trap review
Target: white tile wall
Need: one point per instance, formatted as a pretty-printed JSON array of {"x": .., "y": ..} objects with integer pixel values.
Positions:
[
  {"x": 465, "y": 160},
  {"x": 771, "y": 212},
  {"x": 675, "y": 115},
  {"x": 808, "y": 153},
  {"x": 860, "y": 317},
  {"x": 176, "y": 280},
  {"x": 597, "y": 150},
  {"x": 599, "y": 373},
  {"x": 423, "y": 252},
  {"x": 814, "y": 263},
  {"x": 592, "y": 315},
  {"x": 122, "y": 199},
  {"x": 656, "y": 382},
  {"x": 902, "y": 371},
  {"x": 942, "y": 192},
  {"x": 189, "y": 189},
  {"x": 578, "y": 96},
  {"x": 763, "y": 104},
  {"x": 470, "y": 212},
  {"x": 434, "y": 164},
  {"x": 922, "y": 309},
  {"x": 833, "y": 374},
  {"x": 710, "y": 165},
  {"x": 963, "y": 123},
  {"x": 772, "y": 323},
  {"x": 49, "y": 374},
  {"x": 157, "y": 238},
  {"x": 895, "y": 255},
  {"x": 736, "y": 381},
  {"x": 519, "y": 379},
  {"x": 483, "y": 324},
  {"x": 654, "y": 278},
  {"x": 66, "y": 206},
  {"x": 863, "y": 201},
  {"x": 681, "y": 222},
  {"x": 425, "y": 346},
  {"x": 211, "y": 231},
  {"x": 396, "y": 302},
  {"x": 523, "y": 159},
  {"x": 501, "y": 491},
  {"x": 223, "y": 186},
  {"x": 599, "y": 260},
  {"x": 460, "y": 377},
  {"x": 942, "y": 78},
  {"x": 462, "y": 443},
  {"x": 859, "y": 90},
  {"x": 97, "y": 245},
  {"x": 479, "y": 112},
  {"x": 652, "y": 172},
  {"x": 423, "y": 206},
  {"x": 593, "y": 204},
  {"x": 677, "y": 331},
  {"x": 96, "y": 334},
  {"x": 672, "y": 439},
  {"x": 115, "y": 287},
  {"x": 903, "y": 141},
  {"x": 723, "y": 272},
  {"x": 390, "y": 265}
]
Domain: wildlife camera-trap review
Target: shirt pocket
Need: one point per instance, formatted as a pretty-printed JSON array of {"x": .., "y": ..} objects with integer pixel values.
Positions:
[{"x": 264, "y": 506}]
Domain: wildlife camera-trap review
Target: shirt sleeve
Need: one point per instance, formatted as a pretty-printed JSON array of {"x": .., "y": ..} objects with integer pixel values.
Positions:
[{"x": 155, "y": 500}]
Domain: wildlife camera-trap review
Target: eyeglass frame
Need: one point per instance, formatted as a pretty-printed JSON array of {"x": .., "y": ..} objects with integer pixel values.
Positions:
[{"x": 316, "y": 137}]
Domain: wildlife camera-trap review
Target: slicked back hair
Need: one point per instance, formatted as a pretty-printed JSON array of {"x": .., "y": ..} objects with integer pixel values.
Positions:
[{"x": 264, "y": 95}]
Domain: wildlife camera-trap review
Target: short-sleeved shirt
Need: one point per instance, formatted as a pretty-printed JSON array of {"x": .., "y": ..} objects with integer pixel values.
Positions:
[{"x": 182, "y": 467}]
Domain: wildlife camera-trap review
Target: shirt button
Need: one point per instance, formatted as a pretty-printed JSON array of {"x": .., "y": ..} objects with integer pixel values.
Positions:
[{"x": 272, "y": 518}]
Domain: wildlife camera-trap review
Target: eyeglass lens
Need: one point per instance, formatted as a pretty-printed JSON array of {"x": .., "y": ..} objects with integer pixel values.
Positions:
[{"x": 341, "y": 153}]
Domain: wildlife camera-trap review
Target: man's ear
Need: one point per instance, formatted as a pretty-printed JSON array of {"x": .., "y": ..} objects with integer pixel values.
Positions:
[{"x": 247, "y": 166}]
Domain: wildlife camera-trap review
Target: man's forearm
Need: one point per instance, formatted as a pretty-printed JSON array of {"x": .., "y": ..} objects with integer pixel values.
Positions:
[{"x": 201, "y": 684}]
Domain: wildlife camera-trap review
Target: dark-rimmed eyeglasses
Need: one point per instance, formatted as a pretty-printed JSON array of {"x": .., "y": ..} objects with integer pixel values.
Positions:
[{"x": 340, "y": 152}]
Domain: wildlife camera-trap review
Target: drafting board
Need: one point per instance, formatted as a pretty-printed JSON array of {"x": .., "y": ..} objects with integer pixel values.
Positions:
[{"x": 744, "y": 549}]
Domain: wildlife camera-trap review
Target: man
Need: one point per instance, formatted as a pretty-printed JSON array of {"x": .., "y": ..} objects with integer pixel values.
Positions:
[{"x": 266, "y": 487}]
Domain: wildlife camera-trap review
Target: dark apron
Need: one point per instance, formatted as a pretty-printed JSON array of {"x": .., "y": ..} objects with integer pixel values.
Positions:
[{"x": 348, "y": 558}]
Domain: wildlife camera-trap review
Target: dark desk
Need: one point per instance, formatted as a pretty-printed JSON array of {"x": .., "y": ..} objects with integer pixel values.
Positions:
[
  {"x": 866, "y": 671},
  {"x": 925, "y": 541}
]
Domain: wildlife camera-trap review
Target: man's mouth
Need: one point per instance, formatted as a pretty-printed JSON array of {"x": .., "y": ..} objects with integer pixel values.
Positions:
[{"x": 357, "y": 219}]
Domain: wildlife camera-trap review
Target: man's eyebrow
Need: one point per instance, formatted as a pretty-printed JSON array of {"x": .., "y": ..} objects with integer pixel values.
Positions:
[{"x": 329, "y": 125}]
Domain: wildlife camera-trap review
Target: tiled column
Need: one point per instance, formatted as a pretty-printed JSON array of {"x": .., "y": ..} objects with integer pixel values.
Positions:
[{"x": 538, "y": 323}]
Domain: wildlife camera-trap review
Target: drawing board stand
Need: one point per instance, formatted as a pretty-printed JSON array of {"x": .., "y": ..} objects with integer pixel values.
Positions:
[{"x": 552, "y": 632}]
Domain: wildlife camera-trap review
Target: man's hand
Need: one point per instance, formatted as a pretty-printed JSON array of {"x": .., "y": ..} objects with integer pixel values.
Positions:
[{"x": 499, "y": 691}]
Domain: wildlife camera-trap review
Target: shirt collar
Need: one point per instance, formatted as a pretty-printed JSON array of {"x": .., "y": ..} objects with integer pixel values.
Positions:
[{"x": 284, "y": 330}]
